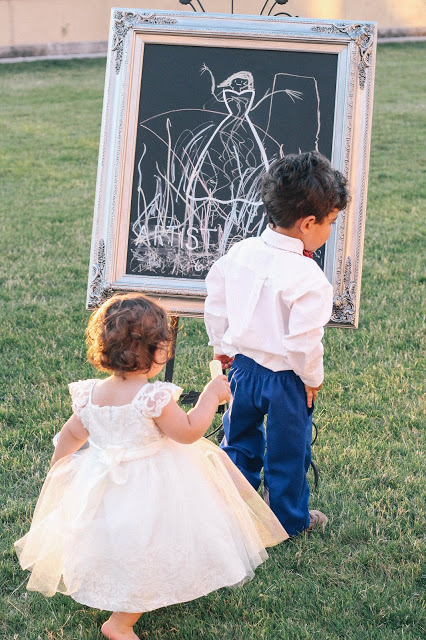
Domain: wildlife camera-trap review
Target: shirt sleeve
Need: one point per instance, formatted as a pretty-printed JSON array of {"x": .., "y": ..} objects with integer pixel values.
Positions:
[
  {"x": 215, "y": 314},
  {"x": 303, "y": 343}
]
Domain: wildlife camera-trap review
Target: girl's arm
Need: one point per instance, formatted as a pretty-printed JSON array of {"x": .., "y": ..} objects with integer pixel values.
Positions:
[
  {"x": 72, "y": 436},
  {"x": 186, "y": 428}
]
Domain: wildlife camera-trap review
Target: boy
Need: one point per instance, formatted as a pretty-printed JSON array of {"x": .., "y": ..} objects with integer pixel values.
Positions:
[{"x": 265, "y": 311}]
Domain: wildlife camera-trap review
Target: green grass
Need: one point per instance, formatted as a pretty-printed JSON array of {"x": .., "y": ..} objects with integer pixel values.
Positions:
[{"x": 360, "y": 580}]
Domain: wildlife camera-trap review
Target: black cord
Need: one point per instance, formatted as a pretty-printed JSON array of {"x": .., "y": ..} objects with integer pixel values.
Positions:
[
  {"x": 316, "y": 474},
  {"x": 316, "y": 433},
  {"x": 215, "y": 431},
  {"x": 313, "y": 465}
]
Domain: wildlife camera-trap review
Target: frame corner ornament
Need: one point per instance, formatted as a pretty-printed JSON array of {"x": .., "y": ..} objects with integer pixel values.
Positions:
[
  {"x": 363, "y": 35},
  {"x": 125, "y": 20},
  {"x": 98, "y": 289},
  {"x": 344, "y": 304}
]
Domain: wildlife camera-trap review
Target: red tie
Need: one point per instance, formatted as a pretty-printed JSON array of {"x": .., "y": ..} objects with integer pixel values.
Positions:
[{"x": 308, "y": 254}]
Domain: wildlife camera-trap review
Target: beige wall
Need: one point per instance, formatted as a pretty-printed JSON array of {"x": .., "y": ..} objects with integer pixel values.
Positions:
[{"x": 29, "y": 22}]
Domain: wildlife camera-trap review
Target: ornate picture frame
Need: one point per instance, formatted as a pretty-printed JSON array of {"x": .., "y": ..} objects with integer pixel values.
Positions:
[{"x": 196, "y": 106}]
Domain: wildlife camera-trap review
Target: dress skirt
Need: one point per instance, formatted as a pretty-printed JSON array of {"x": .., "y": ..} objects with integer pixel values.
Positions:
[{"x": 133, "y": 531}]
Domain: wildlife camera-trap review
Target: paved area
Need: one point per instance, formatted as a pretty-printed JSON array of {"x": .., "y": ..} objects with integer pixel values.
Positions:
[
  {"x": 402, "y": 39},
  {"x": 68, "y": 56},
  {"x": 72, "y": 56}
]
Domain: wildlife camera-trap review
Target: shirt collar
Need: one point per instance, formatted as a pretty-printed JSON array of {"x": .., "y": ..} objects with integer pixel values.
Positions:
[{"x": 280, "y": 241}]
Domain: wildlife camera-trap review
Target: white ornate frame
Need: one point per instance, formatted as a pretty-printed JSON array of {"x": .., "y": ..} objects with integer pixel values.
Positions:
[{"x": 355, "y": 45}]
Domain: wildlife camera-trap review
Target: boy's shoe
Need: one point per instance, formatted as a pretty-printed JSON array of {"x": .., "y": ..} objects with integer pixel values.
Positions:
[{"x": 317, "y": 519}]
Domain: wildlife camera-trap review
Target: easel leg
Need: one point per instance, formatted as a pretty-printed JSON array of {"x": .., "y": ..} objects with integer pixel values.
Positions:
[{"x": 168, "y": 375}]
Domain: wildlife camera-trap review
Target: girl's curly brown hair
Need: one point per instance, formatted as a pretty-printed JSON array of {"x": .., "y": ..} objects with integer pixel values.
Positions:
[{"x": 125, "y": 332}]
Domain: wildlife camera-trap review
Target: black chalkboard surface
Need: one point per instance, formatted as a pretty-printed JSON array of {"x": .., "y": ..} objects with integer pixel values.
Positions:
[{"x": 211, "y": 121}]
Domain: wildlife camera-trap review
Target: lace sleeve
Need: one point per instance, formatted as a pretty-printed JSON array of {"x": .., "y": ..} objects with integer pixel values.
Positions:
[
  {"x": 155, "y": 396},
  {"x": 80, "y": 393}
]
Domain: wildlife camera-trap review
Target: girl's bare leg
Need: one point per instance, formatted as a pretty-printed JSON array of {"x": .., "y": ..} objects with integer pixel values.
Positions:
[{"x": 120, "y": 626}]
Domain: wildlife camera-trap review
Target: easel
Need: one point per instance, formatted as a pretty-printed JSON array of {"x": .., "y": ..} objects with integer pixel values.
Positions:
[
  {"x": 174, "y": 324},
  {"x": 192, "y": 396}
]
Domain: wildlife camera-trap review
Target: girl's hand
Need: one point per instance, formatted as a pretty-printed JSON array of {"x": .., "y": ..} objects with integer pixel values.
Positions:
[{"x": 220, "y": 387}]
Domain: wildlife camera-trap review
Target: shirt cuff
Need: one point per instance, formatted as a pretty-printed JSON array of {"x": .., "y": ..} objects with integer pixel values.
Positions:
[{"x": 313, "y": 380}]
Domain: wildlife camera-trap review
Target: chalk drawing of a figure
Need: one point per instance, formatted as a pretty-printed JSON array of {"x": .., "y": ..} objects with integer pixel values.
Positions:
[
  {"x": 231, "y": 162},
  {"x": 203, "y": 194},
  {"x": 234, "y": 155}
]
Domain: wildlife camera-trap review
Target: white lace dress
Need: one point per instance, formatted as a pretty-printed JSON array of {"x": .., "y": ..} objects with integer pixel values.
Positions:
[{"x": 137, "y": 521}]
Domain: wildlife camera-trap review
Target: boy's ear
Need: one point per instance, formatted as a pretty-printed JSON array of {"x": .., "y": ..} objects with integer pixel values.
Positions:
[{"x": 306, "y": 224}]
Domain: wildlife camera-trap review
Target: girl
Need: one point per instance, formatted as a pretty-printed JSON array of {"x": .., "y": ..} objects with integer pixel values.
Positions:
[{"x": 148, "y": 514}]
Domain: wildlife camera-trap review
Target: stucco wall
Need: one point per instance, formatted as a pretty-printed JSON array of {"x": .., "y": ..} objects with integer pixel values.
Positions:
[{"x": 58, "y": 22}]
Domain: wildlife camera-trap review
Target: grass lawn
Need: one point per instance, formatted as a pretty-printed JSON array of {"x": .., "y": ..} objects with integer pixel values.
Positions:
[{"x": 362, "y": 578}]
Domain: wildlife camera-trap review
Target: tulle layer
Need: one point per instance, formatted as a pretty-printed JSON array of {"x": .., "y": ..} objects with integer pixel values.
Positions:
[{"x": 137, "y": 534}]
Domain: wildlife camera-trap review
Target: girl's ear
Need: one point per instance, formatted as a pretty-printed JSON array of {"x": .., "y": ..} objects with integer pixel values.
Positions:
[
  {"x": 161, "y": 353},
  {"x": 306, "y": 224}
]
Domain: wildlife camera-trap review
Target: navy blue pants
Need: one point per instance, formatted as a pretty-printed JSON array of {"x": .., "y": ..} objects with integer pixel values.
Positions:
[{"x": 285, "y": 450}]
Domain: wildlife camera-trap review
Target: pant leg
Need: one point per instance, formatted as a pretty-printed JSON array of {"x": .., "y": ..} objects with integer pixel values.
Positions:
[
  {"x": 244, "y": 439},
  {"x": 288, "y": 450}
]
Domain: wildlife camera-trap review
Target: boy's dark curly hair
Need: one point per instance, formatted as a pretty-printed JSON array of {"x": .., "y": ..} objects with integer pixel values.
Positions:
[
  {"x": 297, "y": 186},
  {"x": 125, "y": 332}
]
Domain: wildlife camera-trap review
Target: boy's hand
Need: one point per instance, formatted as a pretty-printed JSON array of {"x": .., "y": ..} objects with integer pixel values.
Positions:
[
  {"x": 226, "y": 361},
  {"x": 220, "y": 387},
  {"x": 311, "y": 394}
]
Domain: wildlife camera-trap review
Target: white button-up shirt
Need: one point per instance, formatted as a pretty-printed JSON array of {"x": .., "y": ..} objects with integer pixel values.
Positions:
[{"x": 269, "y": 302}]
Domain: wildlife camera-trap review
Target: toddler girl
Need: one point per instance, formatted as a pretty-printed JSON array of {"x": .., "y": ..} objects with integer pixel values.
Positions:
[{"x": 149, "y": 514}]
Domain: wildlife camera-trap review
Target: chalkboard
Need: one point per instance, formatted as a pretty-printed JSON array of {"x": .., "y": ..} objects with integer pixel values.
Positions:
[
  {"x": 210, "y": 123},
  {"x": 196, "y": 108}
]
